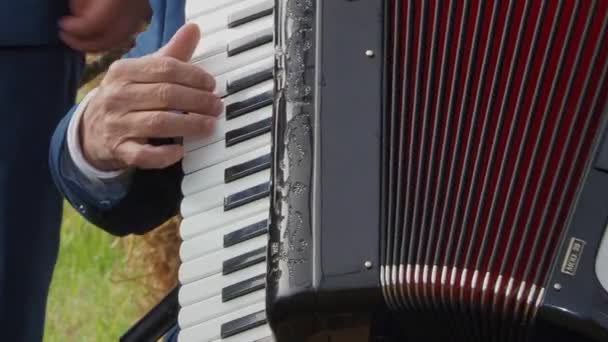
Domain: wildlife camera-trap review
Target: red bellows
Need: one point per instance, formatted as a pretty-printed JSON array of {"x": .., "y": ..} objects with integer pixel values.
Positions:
[{"x": 492, "y": 111}]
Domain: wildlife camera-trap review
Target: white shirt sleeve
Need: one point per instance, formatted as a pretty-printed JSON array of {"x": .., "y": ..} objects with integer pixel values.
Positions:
[{"x": 75, "y": 149}]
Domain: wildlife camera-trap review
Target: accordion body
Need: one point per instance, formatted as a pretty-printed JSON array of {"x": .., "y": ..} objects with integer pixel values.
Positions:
[
  {"x": 439, "y": 171},
  {"x": 397, "y": 170}
]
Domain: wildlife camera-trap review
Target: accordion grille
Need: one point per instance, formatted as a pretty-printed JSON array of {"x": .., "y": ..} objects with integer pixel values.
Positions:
[{"x": 492, "y": 112}]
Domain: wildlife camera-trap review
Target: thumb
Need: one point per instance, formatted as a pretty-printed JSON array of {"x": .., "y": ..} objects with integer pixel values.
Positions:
[{"x": 183, "y": 43}]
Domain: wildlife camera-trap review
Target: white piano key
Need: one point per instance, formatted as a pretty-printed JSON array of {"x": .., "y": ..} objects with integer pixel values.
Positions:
[
  {"x": 206, "y": 200},
  {"x": 250, "y": 41},
  {"x": 211, "y": 330},
  {"x": 214, "y": 240},
  {"x": 212, "y": 286},
  {"x": 247, "y": 94},
  {"x": 251, "y": 13},
  {"x": 222, "y": 126},
  {"x": 217, "y": 217},
  {"x": 219, "y": 41},
  {"x": 214, "y": 175},
  {"x": 211, "y": 263},
  {"x": 220, "y": 64},
  {"x": 246, "y": 70},
  {"x": 214, "y": 197},
  {"x": 213, "y": 307},
  {"x": 200, "y": 7},
  {"x": 206, "y": 178},
  {"x": 218, "y": 20},
  {"x": 218, "y": 152}
]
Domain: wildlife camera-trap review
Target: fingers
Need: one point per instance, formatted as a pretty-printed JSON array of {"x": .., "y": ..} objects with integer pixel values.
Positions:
[
  {"x": 167, "y": 124},
  {"x": 170, "y": 97},
  {"x": 159, "y": 69},
  {"x": 144, "y": 156},
  {"x": 183, "y": 43}
]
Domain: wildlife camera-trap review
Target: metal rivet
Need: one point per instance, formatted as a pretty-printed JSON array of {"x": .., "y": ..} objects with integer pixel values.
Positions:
[
  {"x": 368, "y": 264},
  {"x": 557, "y": 286},
  {"x": 369, "y": 53}
]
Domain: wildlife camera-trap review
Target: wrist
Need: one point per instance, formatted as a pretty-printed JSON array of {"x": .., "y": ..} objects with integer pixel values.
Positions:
[{"x": 80, "y": 151}]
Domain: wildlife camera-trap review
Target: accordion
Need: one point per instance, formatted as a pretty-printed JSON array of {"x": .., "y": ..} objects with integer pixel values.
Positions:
[{"x": 386, "y": 170}]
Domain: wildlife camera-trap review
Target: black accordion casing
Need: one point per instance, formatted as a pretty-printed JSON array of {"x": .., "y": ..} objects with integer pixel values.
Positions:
[{"x": 440, "y": 171}]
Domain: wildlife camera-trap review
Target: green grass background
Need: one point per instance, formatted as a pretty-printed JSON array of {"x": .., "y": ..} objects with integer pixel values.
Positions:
[{"x": 86, "y": 301}]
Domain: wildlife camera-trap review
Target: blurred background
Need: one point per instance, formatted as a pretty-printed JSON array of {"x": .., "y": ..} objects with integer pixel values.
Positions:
[{"x": 102, "y": 284}]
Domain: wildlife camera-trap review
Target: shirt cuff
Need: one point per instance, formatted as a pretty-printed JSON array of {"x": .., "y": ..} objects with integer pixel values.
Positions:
[{"x": 75, "y": 149}]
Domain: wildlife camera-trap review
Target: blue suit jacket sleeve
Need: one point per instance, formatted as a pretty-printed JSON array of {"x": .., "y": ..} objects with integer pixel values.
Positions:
[{"x": 153, "y": 196}]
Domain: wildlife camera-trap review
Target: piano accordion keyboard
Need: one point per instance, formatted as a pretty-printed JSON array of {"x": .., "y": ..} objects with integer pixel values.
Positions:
[
  {"x": 493, "y": 108},
  {"x": 226, "y": 179}
]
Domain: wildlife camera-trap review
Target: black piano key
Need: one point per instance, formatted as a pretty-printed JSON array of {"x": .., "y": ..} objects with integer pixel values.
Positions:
[
  {"x": 246, "y": 196},
  {"x": 244, "y": 287},
  {"x": 249, "y": 42},
  {"x": 246, "y": 233},
  {"x": 245, "y": 323},
  {"x": 247, "y": 168},
  {"x": 239, "y": 84},
  {"x": 248, "y": 132},
  {"x": 244, "y": 260},
  {"x": 237, "y": 109},
  {"x": 250, "y": 14}
]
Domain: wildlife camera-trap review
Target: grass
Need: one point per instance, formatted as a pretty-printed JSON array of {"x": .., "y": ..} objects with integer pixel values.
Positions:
[{"x": 87, "y": 302}]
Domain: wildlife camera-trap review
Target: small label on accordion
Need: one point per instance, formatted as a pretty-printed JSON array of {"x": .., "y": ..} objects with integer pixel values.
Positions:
[{"x": 573, "y": 256}]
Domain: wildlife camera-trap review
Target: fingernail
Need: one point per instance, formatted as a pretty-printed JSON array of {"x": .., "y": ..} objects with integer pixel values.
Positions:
[{"x": 219, "y": 106}]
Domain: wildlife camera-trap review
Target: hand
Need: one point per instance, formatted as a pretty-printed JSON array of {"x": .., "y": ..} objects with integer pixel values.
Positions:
[
  {"x": 138, "y": 99},
  {"x": 96, "y": 25}
]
